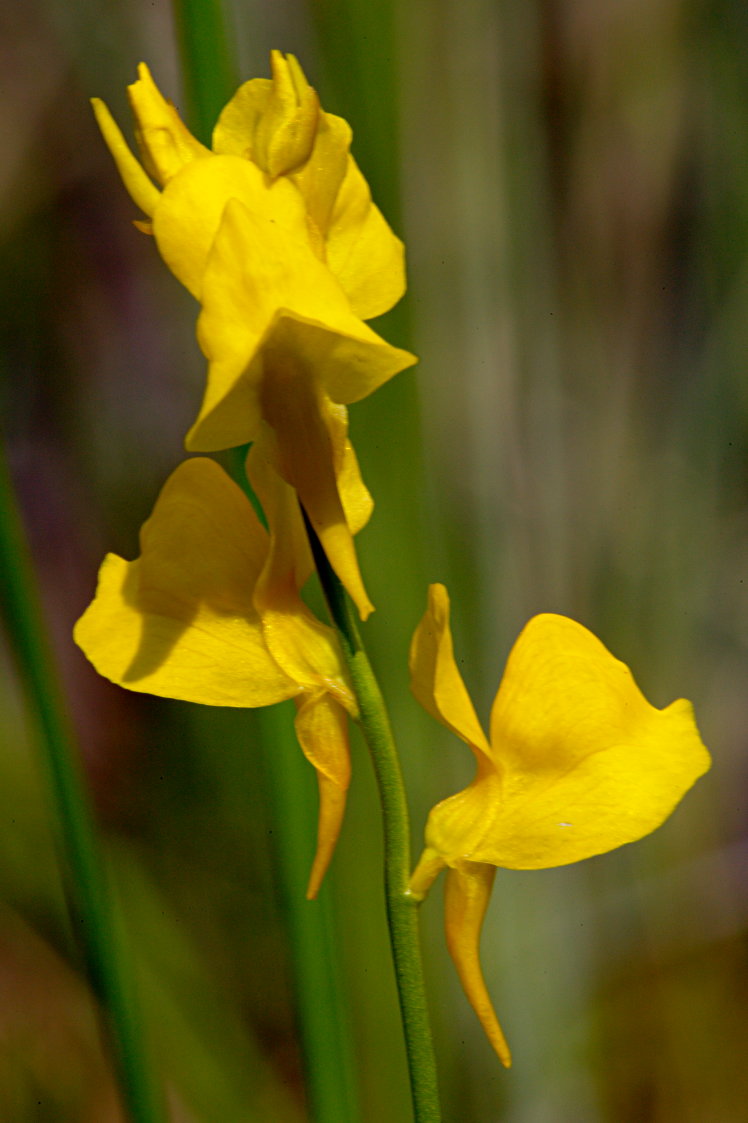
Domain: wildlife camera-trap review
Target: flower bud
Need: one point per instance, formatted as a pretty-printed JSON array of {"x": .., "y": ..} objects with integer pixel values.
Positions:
[{"x": 285, "y": 131}]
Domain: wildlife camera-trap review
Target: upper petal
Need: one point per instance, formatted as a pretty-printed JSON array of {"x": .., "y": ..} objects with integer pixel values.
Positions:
[
  {"x": 272, "y": 122},
  {"x": 284, "y": 133},
  {"x": 180, "y": 621},
  {"x": 278, "y": 124},
  {"x": 587, "y": 764},
  {"x": 434, "y": 678},
  {"x": 237, "y": 123}
]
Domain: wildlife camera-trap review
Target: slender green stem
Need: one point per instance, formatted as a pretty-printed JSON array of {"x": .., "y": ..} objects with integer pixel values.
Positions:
[
  {"x": 402, "y": 914},
  {"x": 87, "y": 893}
]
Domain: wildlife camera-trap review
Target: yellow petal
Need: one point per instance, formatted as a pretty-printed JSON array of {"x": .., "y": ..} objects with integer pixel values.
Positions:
[
  {"x": 321, "y": 177},
  {"x": 362, "y": 251},
  {"x": 430, "y": 865},
  {"x": 192, "y": 206},
  {"x": 284, "y": 134},
  {"x": 587, "y": 764},
  {"x": 307, "y": 650},
  {"x": 165, "y": 142},
  {"x": 354, "y": 494},
  {"x": 434, "y": 677},
  {"x": 288, "y": 562},
  {"x": 290, "y": 545},
  {"x": 466, "y": 894},
  {"x": 142, "y": 192},
  {"x": 459, "y": 825},
  {"x": 264, "y": 292},
  {"x": 237, "y": 123},
  {"x": 310, "y": 453},
  {"x": 279, "y": 126},
  {"x": 272, "y": 122},
  {"x": 179, "y": 621},
  {"x": 321, "y": 728}
]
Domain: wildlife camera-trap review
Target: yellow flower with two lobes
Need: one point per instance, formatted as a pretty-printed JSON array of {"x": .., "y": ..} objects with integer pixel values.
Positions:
[
  {"x": 210, "y": 613},
  {"x": 578, "y": 763},
  {"x": 274, "y": 232}
]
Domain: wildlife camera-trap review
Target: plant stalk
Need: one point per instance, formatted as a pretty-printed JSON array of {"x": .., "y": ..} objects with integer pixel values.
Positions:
[{"x": 402, "y": 911}]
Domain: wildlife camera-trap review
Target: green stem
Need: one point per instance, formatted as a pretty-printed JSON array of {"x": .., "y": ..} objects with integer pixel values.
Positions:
[
  {"x": 402, "y": 913},
  {"x": 87, "y": 893}
]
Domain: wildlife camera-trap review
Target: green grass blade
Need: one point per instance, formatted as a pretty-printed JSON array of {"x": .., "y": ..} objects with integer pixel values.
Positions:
[
  {"x": 87, "y": 889},
  {"x": 208, "y": 66}
]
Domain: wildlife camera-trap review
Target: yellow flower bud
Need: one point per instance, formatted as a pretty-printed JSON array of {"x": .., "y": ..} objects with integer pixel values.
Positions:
[{"x": 284, "y": 132}]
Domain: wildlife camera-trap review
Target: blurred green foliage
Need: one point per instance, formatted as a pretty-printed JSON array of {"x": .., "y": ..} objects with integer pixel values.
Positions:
[{"x": 572, "y": 185}]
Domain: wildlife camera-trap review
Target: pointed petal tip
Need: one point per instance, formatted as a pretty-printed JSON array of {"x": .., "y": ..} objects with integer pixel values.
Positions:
[
  {"x": 332, "y": 806},
  {"x": 315, "y": 883},
  {"x": 331, "y": 809},
  {"x": 435, "y": 678},
  {"x": 501, "y": 1049},
  {"x": 438, "y": 594},
  {"x": 142, "y": 191},
  {"x": 321, "y": 729},
  {"x": 365, "y": 608}
]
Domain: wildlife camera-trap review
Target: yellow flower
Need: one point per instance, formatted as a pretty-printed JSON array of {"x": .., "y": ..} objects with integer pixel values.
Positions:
[
  {"x": 578, "y": 763},
  {"x": 210, "y": 613},
  {"x": 275, "y": 234},
  {"x": 276, "y": 128}
]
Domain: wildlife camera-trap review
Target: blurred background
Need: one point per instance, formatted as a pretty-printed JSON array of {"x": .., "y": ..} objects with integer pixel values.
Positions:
[{"x": 571, "y": 181}]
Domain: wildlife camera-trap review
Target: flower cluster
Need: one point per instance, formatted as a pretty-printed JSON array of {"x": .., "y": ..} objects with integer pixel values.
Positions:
[{"x": 274, "y": 232}]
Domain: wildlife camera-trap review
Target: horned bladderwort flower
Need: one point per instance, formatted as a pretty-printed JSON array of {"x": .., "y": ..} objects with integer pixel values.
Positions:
[
  {"x": 578, "y": 763},
  {"x": 275, "y": 233},
  {"x": 210, "y": 612}
]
